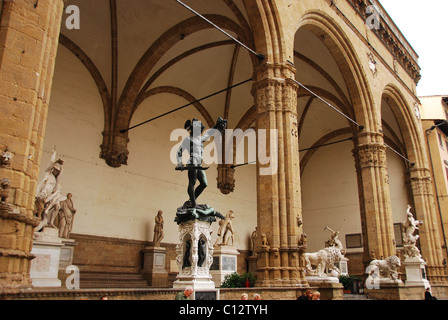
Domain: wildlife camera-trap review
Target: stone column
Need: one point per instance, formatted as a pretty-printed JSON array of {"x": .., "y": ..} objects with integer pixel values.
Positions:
[
  {"x": 374, "y": 193},
  {"x": 28, "y": 44},
  {"x": 278, "y": 192},
  {"x": 430, "y": 238}
]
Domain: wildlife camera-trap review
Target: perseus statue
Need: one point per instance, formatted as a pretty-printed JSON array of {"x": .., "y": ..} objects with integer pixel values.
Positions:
[{"x": 194, "y": 144}]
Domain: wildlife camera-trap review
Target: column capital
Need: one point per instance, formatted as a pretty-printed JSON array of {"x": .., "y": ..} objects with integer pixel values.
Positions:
[{"x": 271, "y": 70}]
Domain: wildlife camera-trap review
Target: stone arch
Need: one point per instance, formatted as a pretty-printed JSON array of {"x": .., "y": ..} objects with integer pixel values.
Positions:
[
  {"x": 407, "y": 123},
  {"x": 94, "y": 72},
  {"x": 420, "y": 181},
  {"x": 181, "y": 93},
  {"x": 157, "y": 50},
  {"x": 114, "y": 148},
  {"x": 343, "y": 51},
  {"x": 369, "y": 148},
  {"x": 268, "y": 33}
]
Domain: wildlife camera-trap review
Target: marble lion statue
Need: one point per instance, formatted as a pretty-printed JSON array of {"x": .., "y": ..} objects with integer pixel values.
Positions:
[
  {"x": 387, "y": 268},
  {"x": 317, "y": 262}
]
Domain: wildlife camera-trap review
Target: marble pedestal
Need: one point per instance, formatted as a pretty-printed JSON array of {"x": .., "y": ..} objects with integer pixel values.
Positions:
[
  {"x": 342, "y": 265},
  {"x": 194, "y": 258},
  {"x": 416, "y": 272},
  {"x": 45, "y": 267},
  {"x": 154, "y": 266},
  {"x": 67, "y": 252},
  {"x": 318, "y": 281},
  {"x": 224, "y": 263}
]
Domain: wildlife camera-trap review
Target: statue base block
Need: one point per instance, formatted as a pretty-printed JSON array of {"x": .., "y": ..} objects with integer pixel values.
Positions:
[
  {"x": 318, "y": 281},
  {"x": 45, "y": 267},
  {"x": 154, "y": 266},
  {"x": 224, "y": 263},
  {"x": 416, "y": 272}
]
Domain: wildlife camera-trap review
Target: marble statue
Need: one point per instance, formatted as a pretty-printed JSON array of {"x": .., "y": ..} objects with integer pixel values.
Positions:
[
  {"x": 316, "y": 263},
  {"x": 334, "y": 241},
  {"x": 48, "y": 197},
  {"x": 193, "y": 144},
  {"x": 409, "y": 227},
  {"x": 66, "y": 217},
  {"x": 158, "y": 229},
  {"x": 385, "y": 269},
  {"x": 226, "y": 231},
  {"x": 253, "y": 241}
]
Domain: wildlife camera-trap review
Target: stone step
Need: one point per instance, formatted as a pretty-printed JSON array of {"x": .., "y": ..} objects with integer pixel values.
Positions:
[{"x": 356, "y": 297}]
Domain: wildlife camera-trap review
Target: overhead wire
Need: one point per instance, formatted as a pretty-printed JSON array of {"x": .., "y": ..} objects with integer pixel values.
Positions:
[{"x": 260, "y": 57}]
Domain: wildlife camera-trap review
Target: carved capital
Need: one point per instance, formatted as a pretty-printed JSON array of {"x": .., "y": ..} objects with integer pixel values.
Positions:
[
  {"x": 421, "y": 182},
  {"x": 370, "y": 155}
]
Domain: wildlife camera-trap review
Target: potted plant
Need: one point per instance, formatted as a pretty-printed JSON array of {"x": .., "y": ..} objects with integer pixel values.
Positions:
[
  {"x": 234, "y": 280},
  {"x": 347, "y": 282}
]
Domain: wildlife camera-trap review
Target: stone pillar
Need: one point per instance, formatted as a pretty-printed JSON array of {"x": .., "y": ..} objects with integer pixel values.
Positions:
[
  {"x": 430, "y": 239},
  {"x": 373, "y": 185},
  {"x": 29, "y": 35},
  {"x": 278, "y": 189}
]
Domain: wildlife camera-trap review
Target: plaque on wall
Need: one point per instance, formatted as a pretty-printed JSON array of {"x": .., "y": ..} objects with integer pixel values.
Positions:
[{"x": 228, "y": 263}]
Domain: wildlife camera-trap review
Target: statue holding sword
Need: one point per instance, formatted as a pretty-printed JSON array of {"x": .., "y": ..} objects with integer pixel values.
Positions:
[{"x": 194, "y": 144}]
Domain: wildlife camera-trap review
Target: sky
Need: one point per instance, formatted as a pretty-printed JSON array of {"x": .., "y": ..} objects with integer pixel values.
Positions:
[{"x": 424, "y": 24}]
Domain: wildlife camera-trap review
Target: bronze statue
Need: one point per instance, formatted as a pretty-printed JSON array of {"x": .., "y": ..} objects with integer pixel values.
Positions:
[{"x": 194, "y": 145}]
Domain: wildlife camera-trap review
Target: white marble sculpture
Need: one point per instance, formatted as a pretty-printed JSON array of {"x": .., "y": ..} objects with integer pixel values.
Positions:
[
  {"x": 385, "y": 269},
  {"x": 48, "y": 196},
  {"x": 226, "y": 231},
  {"x": 66, "y": 217},
  {"x": 409, "y": 227},
  {"x": 316, "y": 263},
  {"x": 334, "y": 240}
]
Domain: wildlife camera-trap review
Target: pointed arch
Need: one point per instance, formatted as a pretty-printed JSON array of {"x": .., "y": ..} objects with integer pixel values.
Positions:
[{"x": 344, "y": 53}]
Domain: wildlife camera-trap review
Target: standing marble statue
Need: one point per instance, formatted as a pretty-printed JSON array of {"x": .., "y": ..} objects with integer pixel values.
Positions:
[
  {"x": 409, "y": 227},
  {"x": 226, "y": 231},
  {"x": 66, "y": 217},
  {"x": 48, "y": 197},
  {"x": 158, "y": 229},
  {"x": 253, "y": 241}
]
